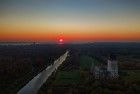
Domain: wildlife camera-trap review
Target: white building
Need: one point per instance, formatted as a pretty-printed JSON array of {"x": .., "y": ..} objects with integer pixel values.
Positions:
[
  {"x": 112, "y": 67},
  {"x": 110, "y": 70}
]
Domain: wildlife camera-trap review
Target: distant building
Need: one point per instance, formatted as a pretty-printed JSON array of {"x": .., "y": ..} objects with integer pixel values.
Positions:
[
  {"x": 112, "y": 66},
  {"x": 110, "y": 70}
]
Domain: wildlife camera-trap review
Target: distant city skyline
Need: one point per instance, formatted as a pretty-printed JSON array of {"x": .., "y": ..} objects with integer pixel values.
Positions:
[{"x": 70, "y": 20}]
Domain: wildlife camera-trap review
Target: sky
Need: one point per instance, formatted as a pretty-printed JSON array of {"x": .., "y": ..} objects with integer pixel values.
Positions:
[{"x": 70, "y": 20}]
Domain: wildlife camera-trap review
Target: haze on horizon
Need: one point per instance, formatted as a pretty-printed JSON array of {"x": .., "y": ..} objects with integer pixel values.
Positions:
[{"x": 71, "y": 20}]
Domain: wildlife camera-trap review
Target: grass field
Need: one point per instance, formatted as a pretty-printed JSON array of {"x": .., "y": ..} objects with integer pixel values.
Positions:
[
  {"x": 133, "y": 75},
  {"x": 86, "y": 62},
  {"x": 67, "y": 78}
]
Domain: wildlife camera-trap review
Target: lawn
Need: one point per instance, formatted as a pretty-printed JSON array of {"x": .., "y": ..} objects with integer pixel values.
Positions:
[
  {"x": 67, "y": 78},
  {"x": 133, "y": 75},
  {"x": 86, "y": 62}
]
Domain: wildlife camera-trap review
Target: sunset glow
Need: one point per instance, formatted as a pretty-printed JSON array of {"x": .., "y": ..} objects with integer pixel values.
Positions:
[
  {"x": 75, "y": 21},
  {"x": 60, "y": 40}
]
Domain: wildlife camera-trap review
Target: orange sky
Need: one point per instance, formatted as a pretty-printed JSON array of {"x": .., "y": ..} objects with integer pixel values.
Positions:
[
  {"x": 33, "y": 31},
  {"x": 20, "y": 30},
  {"x": 42, "y": 35},
  {"x": 71, "y": 20}
]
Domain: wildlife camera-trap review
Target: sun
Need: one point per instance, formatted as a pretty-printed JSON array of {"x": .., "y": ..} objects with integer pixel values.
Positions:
[{"x": 61, "y": 41}]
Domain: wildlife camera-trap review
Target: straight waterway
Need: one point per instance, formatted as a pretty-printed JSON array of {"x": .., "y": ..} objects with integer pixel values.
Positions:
[{"x": 34, "y": 85}]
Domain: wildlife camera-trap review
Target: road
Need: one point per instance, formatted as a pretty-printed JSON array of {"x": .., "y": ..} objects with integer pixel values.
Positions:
[{"x": 34, "y": 85}]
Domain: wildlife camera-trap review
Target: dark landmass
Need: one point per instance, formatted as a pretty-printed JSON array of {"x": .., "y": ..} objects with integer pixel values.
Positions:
[{"x": 20, "y": 63}]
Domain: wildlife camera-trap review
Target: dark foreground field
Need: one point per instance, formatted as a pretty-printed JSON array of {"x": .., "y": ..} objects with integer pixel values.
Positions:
[{"x": 20, "y": 63}]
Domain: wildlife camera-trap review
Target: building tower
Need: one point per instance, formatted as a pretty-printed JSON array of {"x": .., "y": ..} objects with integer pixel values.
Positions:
[{"x": 112, "y": 66}]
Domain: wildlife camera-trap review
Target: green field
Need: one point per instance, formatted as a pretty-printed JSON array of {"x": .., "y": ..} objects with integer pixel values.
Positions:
[
  {"x": 132, "y": 75},
  {"x": 67, "y": 78},
  {"x": 86, "y": 62}
]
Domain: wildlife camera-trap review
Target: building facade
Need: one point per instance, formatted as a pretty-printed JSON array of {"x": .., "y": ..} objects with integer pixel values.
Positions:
[
  {"x": 106, "y": 71},
  {"x": 112, "y": 68}
]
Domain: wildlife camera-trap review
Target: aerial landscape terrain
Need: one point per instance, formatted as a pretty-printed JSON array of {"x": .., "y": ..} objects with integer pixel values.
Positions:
[
  {"x": 69, "y": 46},
  {"x": 74, "y": 76}
]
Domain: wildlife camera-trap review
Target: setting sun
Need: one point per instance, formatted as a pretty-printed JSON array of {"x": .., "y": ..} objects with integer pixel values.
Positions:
[{"x": 61, "y": 41}]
